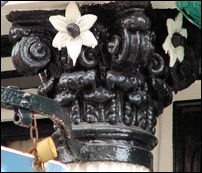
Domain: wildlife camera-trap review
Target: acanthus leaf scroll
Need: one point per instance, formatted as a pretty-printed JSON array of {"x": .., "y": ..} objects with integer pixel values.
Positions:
[{"x": 123, "y": 80}]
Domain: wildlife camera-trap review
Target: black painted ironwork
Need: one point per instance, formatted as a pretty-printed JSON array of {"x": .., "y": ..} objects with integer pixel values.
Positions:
[
  {"x": 12, "y": 99},
  {"x": 22, "y": 118},
  {"x": 115, "y": 92}
]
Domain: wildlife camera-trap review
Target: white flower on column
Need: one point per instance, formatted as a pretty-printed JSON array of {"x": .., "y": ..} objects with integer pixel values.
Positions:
[
  {"x": 73, "y": 31},
  {"x": 175, "y": 51}
]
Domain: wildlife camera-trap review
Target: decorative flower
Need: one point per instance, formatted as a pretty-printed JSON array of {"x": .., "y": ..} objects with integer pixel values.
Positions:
[
  {"x": 175, "y": 39},
  {"x": 73, "y": 31}
]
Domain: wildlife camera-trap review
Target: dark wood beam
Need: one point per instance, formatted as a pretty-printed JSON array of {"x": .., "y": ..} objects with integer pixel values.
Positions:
[
  {"x": 10, "y": 74},
  {"x": 6, "y": 46},
  {"x": 11, "y": 132},
  {"x": 24, "y": 82}
]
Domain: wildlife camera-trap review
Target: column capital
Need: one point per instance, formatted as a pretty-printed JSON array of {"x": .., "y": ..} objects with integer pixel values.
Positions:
[{"x": 116, "y": 91}]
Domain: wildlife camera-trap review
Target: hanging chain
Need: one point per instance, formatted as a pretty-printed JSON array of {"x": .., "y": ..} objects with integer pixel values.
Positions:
[{"x": 38, "y": 165}]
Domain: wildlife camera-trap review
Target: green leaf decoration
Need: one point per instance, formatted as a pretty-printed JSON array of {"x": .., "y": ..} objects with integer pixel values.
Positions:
[{"x": 191, "y": 10}]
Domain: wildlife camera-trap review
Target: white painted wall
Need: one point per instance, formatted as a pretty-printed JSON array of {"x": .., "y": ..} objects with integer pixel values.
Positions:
[{"x": 163, "y": 153}]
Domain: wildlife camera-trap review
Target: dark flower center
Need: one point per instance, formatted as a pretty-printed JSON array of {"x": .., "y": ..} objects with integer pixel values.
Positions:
[
  {"x": 73, "y": 30},
  {"x": 177, "y": 40}
]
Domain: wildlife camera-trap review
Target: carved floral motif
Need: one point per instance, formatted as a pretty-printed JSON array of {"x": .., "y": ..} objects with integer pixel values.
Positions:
[
  {"x": 73, "y": 31},
  {"x": 173, "y": 44}
]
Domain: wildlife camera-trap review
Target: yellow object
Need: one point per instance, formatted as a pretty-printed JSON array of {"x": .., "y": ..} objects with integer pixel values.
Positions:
[{"x": 46, "y": 149}]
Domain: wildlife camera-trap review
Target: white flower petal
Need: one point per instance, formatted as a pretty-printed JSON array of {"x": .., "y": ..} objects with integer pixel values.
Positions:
[
  {"x": 167, "y": 44},
  {"x": 180, "y": 53},
  {"x": 173, "y": 57},
  {"x": 183, "y": 32},
  {"x": 74, "y": 49},
  {"x": 86, "y": 22},
  {"x": 88, "y": 39},
  {"x": 72, "y": 13},
  {"x": 60, "y": 40},
  {"x": 178, "y": 22},
  {"x": 59, "y": 23},
  {"x": 170, "y": 26}
]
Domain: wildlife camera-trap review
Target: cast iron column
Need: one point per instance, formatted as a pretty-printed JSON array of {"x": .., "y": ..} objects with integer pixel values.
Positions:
[{"x": 116, "y": 91}]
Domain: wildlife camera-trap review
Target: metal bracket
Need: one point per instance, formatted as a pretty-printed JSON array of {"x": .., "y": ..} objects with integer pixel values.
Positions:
[
  {"x": 22, "y": 118},
  {"x": 16, "y": 99}
]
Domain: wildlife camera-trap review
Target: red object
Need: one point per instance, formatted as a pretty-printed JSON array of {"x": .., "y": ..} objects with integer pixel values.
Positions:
[{"x": 53, "y": 115}]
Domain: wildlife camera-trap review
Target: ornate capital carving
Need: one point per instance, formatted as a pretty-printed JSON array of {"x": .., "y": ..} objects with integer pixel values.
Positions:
[{"x": 116, "y": 91}]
